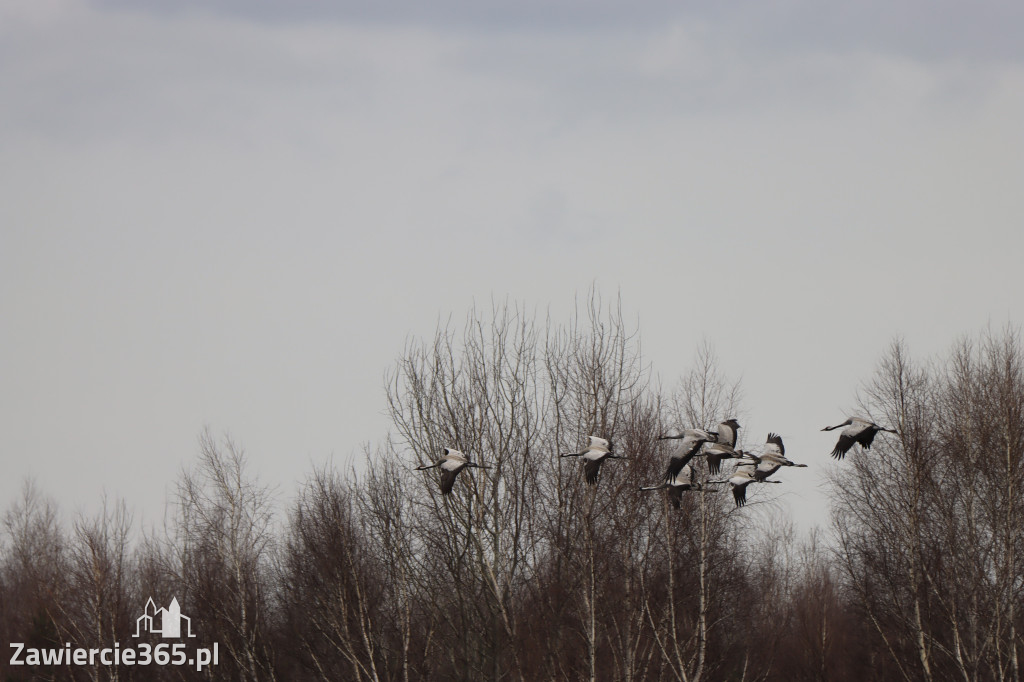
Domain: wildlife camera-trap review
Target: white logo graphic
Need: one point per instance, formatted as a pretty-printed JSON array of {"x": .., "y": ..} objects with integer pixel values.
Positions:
[{"x": 163, "y": 622}]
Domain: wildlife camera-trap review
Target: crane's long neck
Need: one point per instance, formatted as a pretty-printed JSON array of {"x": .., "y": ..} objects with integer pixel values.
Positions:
[{"x": 845, "y": 423}]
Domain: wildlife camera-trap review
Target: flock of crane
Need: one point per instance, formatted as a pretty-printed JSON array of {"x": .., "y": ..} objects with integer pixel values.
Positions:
[{"x": 715, "y": 446}]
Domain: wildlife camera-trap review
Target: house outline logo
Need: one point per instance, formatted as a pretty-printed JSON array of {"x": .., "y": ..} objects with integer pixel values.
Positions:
[{"x": 161, "y": 621}]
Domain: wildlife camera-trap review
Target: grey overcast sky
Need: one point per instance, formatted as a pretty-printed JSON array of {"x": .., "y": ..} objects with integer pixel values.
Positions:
[{"x": 234, "y": 213}]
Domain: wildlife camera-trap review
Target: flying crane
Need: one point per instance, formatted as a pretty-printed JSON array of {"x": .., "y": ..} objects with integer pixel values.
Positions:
[
  {"x": 451, "y": 463},
  {"x": 857, "y": 431},
  {"x": 677, "y": 485},
  {"x": 727, "y": 432},
  {"x": 685, "y": 450},
  {"x": 740, "y": 479},
  {"x": 596, "y": 453},
  {"x": 771, "y": 458},
  {"x": 716, "y": 452}
]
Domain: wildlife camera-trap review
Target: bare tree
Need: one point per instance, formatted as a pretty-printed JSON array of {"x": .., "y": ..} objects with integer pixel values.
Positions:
[
  {"x": 333, "y": 585},
  {"x": 33, "y": 583},
  {"x": 703, "y": 397},
  {"x": 221, "y": 550},
  {"x": 596, "y": 382},
  {"x": 525, "y": 571},
  {"x": 927, "y": 522},
  {"x": 982, "y": 406},
  {"x": 101, "y": 597},
  {"x": 478, "y": 395},
  {"x": 882, "y": 508}
]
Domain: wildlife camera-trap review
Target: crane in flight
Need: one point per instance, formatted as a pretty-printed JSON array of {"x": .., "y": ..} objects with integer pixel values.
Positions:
[
  {"x": 451, "y": 463},
  {"x": 857, "y": 431},
  {"x": 596, "y": 453}
]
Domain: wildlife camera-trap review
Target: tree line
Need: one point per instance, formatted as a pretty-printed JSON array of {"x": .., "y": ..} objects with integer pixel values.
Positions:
[{"x": 525, "y": 573}]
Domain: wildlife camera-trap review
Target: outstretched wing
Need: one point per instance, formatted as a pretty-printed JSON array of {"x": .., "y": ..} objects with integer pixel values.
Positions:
[
  {"x": 774, "y": 444},
  {"x": 739, "y": 492},
  {"x": 716, "y": 453},
  {"x": 454, "y": 455},
  {"x": 727, "y": 432},
  {"x": 682, "y": 454},
  {"x": 678, "y": 460},
  {"x": 865, "y": 437},
  {"x": 715, "y": 463},
  {"x": 591, "y": 470},
  {"x": 448, "y": 477},
  {"x": 843, "y": 446}
]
